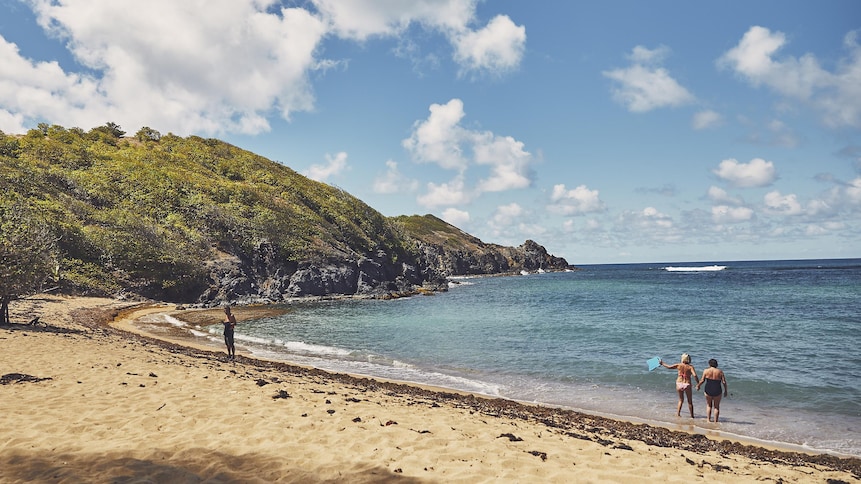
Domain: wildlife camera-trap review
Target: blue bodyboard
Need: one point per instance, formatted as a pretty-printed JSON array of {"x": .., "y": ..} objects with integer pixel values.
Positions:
[{"x": 654, "y": 363}]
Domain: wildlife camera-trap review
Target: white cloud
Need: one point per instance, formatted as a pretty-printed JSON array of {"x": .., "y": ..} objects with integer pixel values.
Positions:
[
  {"x": 646, "y": 226},
  {"x": 507, "y": 215},
  {"x": 725, "y": 214},
  {"x": 456, "y": 217},
  {"x": 643, "y": 55},
  {"x": 441, "y": 139},
  {"x": 451, "y": 193},
  {"x": 509, "y": 161},
  {"x": 706, "y": 119},
  {"x": 361, "y": 19},
  {"x": 215, "y": 66},
  {"x": 192, "y": 66},
  {"x": 652, "y": 216},
  {"x": 837, "y": 95},
  {"x": 853, "y": 191},
  {"x": 720, "y": 195},
  {"x": 438, "y": 139},
  {"x": 335, "y": 165},
  {"x": 819, "y": 208},
  {"x": 757, "y": 173},
  {"x": 497, "y": 48},
  {"x": 783, "y": 204},
  {"x": 393, "y": 181},
  {"x": 41, "y": 90},
  {"x": 645, "y": 86},
  {"x": 576, "y": 201}
]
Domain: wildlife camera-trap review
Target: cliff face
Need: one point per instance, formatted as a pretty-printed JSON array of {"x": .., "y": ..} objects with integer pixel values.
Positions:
[
  {"x": 490, "y": 259},
  {"x": 263, "y": 279},
  {"x": 199, "y": 220}
]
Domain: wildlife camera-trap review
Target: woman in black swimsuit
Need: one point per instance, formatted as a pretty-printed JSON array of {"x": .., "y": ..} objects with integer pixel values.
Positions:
[{"x": 713, "y": 378}]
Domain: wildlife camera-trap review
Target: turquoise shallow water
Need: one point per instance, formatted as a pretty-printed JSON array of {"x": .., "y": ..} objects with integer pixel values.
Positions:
[{"x": 787, "y": 334}]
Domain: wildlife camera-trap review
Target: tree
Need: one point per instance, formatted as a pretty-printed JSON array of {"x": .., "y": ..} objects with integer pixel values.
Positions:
[
  {"x": 109, "y": 133},
  {"x": 27, "y": 252},
  {"x": 147, "y": 134}
]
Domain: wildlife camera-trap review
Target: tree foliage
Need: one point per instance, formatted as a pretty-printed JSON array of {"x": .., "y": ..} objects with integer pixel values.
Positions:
[{"x": 27, "y": 252}]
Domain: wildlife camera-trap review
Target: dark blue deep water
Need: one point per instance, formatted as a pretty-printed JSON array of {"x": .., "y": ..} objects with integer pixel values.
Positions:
[{"x": 786, "y": 333}]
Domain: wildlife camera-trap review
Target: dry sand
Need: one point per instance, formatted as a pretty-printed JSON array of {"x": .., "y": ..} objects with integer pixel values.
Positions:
[{"x": 84, "y": 401}]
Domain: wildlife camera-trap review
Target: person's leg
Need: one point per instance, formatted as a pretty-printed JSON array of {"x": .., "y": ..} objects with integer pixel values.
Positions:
[
  {"x": 690, "y": 391},
  {"x": 681, "y": 402},
  {"x": 231, "y": 349},
  {"x": 717, "y": 406},
  {"x": 709, "y": 406}
]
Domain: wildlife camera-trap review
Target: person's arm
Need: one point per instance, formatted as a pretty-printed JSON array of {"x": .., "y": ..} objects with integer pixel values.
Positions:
[
  {"x": 671, "y": 367},
  {"x": 723, "y": 380},
  {"x": 694, "y": 374}
]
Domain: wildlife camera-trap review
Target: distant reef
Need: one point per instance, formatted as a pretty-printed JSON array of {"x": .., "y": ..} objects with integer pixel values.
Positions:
[{"x": 197, "y": 220}]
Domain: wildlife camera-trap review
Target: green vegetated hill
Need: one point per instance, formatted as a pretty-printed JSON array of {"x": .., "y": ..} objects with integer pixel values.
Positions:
[{"x": 194, "y": 219}]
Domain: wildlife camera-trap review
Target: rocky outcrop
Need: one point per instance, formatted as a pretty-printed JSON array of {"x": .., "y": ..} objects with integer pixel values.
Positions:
[
  {"x": 263, "y": 278},
  {"x": 490, "y": 259}
]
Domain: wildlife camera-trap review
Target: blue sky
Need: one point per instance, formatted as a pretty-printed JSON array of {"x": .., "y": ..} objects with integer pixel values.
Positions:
[{"x": 612, "y": 131}]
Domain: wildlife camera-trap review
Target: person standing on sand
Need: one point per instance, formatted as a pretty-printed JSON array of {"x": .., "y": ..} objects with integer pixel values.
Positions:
[
  {"x": 683, "y": 382},
  {"x": 229, "y": 324},
  {"x": 713, "y": 378}
]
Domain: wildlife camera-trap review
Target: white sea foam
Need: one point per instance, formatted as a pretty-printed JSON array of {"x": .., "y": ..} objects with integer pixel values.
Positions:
[
  {"x": 295, "y": 346},
  {"x": 162, "y": 318},
  {"x": 694, "y": 268}
]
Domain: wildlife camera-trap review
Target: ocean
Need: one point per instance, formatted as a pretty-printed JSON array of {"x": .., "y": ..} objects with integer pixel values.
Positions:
[{"x": 786, "y": 333}]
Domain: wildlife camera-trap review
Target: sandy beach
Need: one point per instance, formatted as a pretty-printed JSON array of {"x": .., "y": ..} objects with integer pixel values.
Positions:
[{"x": 86, "y": 400}]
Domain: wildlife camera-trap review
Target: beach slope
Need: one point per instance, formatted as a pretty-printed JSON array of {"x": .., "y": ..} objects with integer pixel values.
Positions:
[{"x": 84, "y": 401}]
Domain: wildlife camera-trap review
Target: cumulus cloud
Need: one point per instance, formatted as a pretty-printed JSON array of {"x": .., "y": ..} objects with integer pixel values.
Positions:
[
  {"x": 757, "y": 173},
  {"x": 393, "y": 181},
  {"x": 577, "y": 201},
  {"x": 507, "y": 215},
  {"x": 853, "y": 191},
  {"x": 645, "y": 85},
  {"x": 717, "y": 194},
  {"x": 440, "y": 139},
  {"x": 837, "y": 94},
  {"x": 456, "y": 217},
  {"x": 706, "y": 119},
  {"x": 216, "y": 66},
  {"x": 497, "y": 48},
  {"x": 725, "y": 214},
  {"x": 783, "y": 204},
  {"x": 651, "y": 215},
  {"x": 509, "y": 162},
  {"x": 193, "y": 66},
  {"x": 647, "y": 226},
  {"x": 42, "y": 90},
  {"x": 335, "y": 165},
  {"x": 451, "y": 193}
]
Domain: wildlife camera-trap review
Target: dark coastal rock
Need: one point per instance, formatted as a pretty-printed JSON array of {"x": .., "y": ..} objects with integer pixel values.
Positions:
[{"x": 263, "y": 277}]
